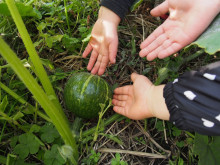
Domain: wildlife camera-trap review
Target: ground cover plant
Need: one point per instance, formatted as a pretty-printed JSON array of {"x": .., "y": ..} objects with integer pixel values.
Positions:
[{"x": 36, "y": 127}]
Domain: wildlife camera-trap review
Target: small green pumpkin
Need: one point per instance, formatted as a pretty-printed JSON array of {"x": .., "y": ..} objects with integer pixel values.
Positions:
[{"x": 83, "y": 94}]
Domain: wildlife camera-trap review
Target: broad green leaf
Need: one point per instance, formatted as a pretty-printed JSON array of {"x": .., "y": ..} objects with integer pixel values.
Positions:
[
  {"x": 210, "y": 39},
  {"x": 49, "y": 133},
  {"x": 208, "y": 152},
  {"x": 24, "y": 10},
  {"x": 28, "y": 144},
  {"x": 53, "y": 156}
]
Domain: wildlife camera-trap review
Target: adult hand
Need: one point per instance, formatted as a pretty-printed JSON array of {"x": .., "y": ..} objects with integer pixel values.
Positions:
[
  {"x": 187, "y": 20},
  {"x": 103, "y": 44}
]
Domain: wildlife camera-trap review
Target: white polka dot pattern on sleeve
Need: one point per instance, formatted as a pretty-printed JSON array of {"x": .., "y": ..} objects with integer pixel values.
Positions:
[
  {"x": 218, "y": 117},
  {"x": 207, "y": 123},
  {"x": 190, "y": 95},
  {"x": 175, "y": 81},
  {"x": 209, "y": 76}
]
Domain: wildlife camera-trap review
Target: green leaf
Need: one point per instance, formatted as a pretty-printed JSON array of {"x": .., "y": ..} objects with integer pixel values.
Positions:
[
  {"x": 53, "y": 156},
  {"x": 34, "y": 128},
  {"x": 52, "y": 39},
  {"x": 208, "y": 152},
  {"x": 87, "y": 38},
  {"x": 4, "y": 104},
  {"x": 24, "y": 10},
  {"x": 13, "y": 141},
  {"x": 69, "y": 41},
  {"x": 18, "y": 115},
  {"x": 28, "y": 145},
  {"x": 41, "y": 26},
  {"x": 49, "y": 133},
  {"x": 82, "y": 29},
  {"x": 136, "y": 4},
  {"x": 113, "y": 138},
  {"x": 209, "y": 40}
]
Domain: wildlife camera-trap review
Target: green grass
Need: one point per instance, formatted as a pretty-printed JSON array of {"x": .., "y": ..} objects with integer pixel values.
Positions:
[{"x": 57, "y": 30}]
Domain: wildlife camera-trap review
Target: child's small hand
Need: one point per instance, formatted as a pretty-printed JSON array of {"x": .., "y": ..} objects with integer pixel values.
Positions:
[
  {"x": 132, "y": 100},
  {"x": 140, "y": 100},
  {"x": 104, "y": 42}
]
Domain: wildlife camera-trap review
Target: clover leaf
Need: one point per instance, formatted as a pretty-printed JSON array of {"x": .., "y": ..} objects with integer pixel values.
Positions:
[
  {"x": 28, "y": 144},
  {"x": 53, "y": 156},
  {"x": 49, "y": 133}
]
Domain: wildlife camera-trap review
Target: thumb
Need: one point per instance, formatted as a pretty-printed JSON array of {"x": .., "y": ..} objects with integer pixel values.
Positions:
[
  {"x": 134, "y": 76},
  {"x": 161, "y": 9}
]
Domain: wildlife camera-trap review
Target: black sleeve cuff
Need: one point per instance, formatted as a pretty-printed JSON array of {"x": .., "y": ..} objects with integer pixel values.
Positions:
[
  {"x": 119, "y": 7},
  {"x": 193, "y": 100}
]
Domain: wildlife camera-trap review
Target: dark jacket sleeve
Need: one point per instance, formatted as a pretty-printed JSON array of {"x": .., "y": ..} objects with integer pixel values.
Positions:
[
  {"x": 193, "y": 100},
  {"x": 120, "y": 7}
]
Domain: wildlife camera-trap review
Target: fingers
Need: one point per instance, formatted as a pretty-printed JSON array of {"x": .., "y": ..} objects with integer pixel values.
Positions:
[
  {"x": 92, "y": 60},
  {"x": 173, "y": 48},
  {"x": 119, "y": 110},
  {"x": 87, "y": 50},
  {"x": 103, "y": 65},
  {"x": 134, "y": 76},
  {"x": 120, "y": 97},
  {"x": 159, "y": 31},
  {"x": 113, "y": 47},
  {"x": 161, "y": 9},
  {"x": 122, "y": 90},
  {"x": 158, "y": 42},
  {"x": 100, "y": 65}
]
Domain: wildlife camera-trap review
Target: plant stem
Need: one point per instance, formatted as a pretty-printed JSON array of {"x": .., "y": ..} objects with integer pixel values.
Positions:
[
  {"x": 41, "y": 73},
  {"x": 100, "y": 118},
  {"x": 67, "y": 18},
  {"x": 113, "y": 118},
  {"x": 58, "y": 117}
]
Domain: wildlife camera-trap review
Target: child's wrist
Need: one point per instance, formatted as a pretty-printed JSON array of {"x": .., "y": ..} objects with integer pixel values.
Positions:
[
  {"x": 108, "y": 15},
  {"x": 157, "y": 105}
]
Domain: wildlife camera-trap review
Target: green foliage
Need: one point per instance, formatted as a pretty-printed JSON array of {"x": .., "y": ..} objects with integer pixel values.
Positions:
[
  {"x": 207, "y": 148},
  {"x": 49, "y": 133},
  {"x": 136, "y": 4},
  {"x": 53, "y": 156},
  {"x": 92, "y": 159},
  {"x": 28, "y": 144},
  {"x": 117, "y": 160},
  {"x": 23, "y": 9},
  {"x": 209, "y": 40}
]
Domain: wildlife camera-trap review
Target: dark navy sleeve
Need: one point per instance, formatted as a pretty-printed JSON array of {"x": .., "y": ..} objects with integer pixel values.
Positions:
[
  {"x": 120, "y": 7},
  {"x": 193, "y": 100}
]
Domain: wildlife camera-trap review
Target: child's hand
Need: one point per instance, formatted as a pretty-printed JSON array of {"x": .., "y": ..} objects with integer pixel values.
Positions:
[
  {"x": 132, "y": 100},
  {"x": 104, "y": 42},
  {"x": 140, "y": 100}
]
